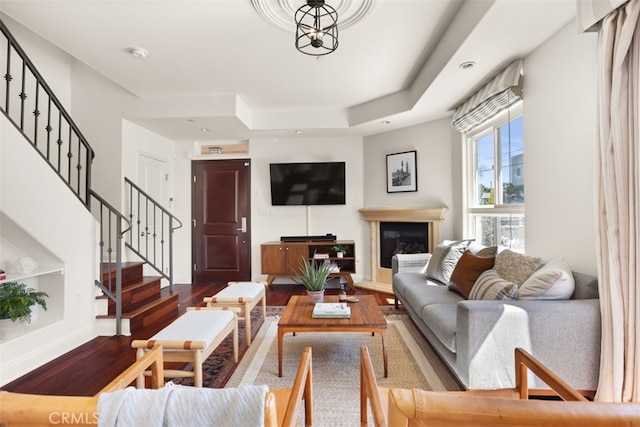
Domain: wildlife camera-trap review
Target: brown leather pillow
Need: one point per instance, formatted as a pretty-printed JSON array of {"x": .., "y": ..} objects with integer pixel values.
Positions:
[{"x": 467, "y": 271}]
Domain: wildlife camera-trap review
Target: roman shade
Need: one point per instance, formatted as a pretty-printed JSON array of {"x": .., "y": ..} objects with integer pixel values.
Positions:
[{"x": 504, "y": 89}]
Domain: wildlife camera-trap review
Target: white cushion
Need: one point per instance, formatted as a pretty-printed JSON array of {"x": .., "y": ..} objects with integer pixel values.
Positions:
[
  {"x": 241, "y": 289},
  {"x": 196, "y": 325},
  {"x": 443, "y": 261},
  {"x": 553, "y": 280}
]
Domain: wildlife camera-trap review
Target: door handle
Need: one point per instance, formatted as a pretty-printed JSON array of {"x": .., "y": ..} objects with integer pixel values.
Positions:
[{"x": 243, "y": 229}]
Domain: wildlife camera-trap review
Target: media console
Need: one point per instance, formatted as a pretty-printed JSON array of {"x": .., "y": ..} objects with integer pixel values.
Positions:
[
  {"x": 282, "y": 259},
  {"x": 320, "y": 238}
]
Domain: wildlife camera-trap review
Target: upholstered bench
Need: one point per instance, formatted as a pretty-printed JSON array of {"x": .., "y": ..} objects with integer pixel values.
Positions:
[
  {"x": 192, "y": 337},
  {"x": 242, "y": 295}
]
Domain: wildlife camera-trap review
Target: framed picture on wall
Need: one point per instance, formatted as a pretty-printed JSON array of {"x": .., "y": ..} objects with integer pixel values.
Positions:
[{"x": 402, "y": 173}]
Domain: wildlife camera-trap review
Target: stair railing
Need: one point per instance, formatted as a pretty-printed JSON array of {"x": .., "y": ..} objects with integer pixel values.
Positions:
[
  {"x": 113, "y": 226},
  {"x": 151, "y": 236},
  {"x": 30, "y": 104}
]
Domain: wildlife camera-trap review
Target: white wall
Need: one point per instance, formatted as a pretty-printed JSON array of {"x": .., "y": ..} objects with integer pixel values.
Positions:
[
  {"x": 433, "y": 142},
  {"x": 31, "y": 195},
  {"x": 269, "y": 223},
  {"x": 99, "y": 108},
  {"x": 559, "y": 132},
  {"x": 559, "y": 108}
]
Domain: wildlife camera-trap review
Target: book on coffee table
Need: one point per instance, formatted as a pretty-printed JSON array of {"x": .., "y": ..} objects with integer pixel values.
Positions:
[{"x": 331, "y": 310}]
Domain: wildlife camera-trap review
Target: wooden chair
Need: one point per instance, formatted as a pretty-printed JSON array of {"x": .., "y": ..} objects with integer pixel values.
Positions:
[
  {"x": 508, "y": 407},
  {"x": 18, "y": 409}
]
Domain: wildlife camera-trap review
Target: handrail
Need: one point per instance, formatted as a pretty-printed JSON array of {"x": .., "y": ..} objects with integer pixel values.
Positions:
[
  {"x": 70, "y": 143},
  {"x": 153, "y": 225},
  {"x": 111, "y": 235}
]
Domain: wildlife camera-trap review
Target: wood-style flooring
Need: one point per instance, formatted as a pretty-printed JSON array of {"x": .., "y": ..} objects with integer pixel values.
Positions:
[{"x": 85, "y": 370}]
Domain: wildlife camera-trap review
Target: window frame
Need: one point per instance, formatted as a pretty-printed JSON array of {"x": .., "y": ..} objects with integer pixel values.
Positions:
[{"x": 470, "y": 182}]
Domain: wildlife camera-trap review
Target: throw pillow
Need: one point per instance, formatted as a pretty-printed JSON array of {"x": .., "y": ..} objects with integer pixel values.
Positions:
[
  {"x": 467, "y": 271},
  {"x": 490, "y": 286},
  {"x": 516, "y": 267},
  {"x": 553, "y": 280},
  {"x": 443, "y": 260}
]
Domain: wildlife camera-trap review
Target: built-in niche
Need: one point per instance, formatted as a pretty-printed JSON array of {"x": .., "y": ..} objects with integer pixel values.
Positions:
[{"x": 44, "y": 274}]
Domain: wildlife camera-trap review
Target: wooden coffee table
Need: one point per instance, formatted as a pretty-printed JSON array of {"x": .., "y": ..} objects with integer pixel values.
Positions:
[{"x": 366, "y": 316}]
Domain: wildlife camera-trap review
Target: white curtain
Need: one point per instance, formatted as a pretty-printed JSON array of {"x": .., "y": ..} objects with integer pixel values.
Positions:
[{"x": 618, "y": 204}]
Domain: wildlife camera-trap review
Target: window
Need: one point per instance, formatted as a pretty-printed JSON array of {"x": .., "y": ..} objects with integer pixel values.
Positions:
[{"x": 495, "y": 180}]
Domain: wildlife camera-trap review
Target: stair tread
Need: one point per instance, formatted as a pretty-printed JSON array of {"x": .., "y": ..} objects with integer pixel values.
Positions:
[
  {"x": 140, "y": 310},
  {"x": 111, "y": 267},
  {"x": 146, "y": 280}
]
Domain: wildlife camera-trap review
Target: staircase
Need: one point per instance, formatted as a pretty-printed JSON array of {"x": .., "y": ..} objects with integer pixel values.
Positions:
[
  {"x": 31, "y": 106},
  {"x": 143, "y": 301}
]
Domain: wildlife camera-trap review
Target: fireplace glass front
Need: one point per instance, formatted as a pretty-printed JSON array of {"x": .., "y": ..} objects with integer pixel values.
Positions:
[{"x": 401, "y": 238}]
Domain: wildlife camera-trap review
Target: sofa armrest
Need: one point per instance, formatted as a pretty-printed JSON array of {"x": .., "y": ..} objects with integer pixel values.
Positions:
[
  {"x": 562, "y": 334},
  {"x": 408, "y": 263}
]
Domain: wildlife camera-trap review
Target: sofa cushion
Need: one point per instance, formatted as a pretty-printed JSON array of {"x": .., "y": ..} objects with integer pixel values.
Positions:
[
  {"x": 467, "y": 271},
  {"x": 441, "y": 319},
  {"x": 427, "y": 294},
  {"x": 490, "y": 286},
  {"x": 443, "y": 260},
  {"x": 516, "y": 267},
  {"x": 552, "y": 281}
]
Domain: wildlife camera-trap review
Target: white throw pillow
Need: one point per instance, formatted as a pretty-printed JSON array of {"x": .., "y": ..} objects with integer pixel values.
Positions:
[
  {"x": 443, "y": 260},
  {"x": 553, "y": 280}
]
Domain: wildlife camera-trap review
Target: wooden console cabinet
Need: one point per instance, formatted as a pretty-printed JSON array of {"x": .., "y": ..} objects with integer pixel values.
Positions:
[{"x": 282, "y": 259}]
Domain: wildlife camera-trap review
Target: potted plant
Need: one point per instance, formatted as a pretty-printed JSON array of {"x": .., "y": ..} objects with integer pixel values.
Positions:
[
  {"x": 313, "y": 275},
  {"x": 16, "y": 302},
  {"x": 340, "y": 250}
]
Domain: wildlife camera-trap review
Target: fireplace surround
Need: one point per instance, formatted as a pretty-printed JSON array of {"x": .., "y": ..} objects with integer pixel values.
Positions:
[{"x": 429, "y": 215}]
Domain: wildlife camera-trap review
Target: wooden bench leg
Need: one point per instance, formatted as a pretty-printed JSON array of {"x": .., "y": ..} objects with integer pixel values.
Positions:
[
  {"x": 197, "y": 368},
  {"x": 247, "y": 321}
]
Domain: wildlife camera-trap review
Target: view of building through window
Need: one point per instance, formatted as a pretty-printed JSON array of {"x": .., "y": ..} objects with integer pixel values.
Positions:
[{"x": 496, "y": 181}]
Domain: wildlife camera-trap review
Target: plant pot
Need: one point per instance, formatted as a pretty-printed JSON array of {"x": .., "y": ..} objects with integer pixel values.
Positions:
[
  {"x": 340, "y": 254},
  {"x": 10, "y": 329},
  {"x": 315, "y": 296}
]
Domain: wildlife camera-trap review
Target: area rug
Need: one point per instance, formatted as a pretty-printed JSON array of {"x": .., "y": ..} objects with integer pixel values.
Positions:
[{"x": 335, "y": 360}]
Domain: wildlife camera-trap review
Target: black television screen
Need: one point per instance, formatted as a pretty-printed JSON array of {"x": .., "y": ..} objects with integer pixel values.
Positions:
[{"x": 321, "y": 183}]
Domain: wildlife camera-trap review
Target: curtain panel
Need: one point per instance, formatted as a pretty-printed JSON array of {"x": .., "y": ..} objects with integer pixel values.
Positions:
[
  {"x": 617, "y": 188},
  {"x": 503, "y": 90}
]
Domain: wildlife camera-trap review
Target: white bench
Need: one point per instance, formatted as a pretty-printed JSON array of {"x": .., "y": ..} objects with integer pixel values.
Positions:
[
  {"x": 192, "y": 337},
  {"x": 241, "y": 295}
]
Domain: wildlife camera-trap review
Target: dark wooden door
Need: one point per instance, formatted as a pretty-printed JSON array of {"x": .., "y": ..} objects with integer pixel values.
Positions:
[{"x": 221, "y": 221}]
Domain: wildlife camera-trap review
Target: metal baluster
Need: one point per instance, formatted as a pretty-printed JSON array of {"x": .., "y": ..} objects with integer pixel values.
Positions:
[
  {"x": 36, "y": 113},
  {"x": 8, "y": 78},
  {"x": 23, "y": 95}
]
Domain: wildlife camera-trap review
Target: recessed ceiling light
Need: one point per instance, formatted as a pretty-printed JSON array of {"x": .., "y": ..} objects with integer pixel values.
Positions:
[
  {"x": 138, "y": 52},
  {"x": 385, "y": 122},
  {"x": 299, "y": 131},
  {"x": 467, "y": 65},
  {"x": 205, "y": 129}
]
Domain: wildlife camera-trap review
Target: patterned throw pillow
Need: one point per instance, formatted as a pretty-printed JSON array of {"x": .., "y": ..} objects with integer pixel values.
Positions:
[
  {"x": 467, "y": 271},
  {"x": 553, "y": 280},
  {"x": 490, "y": 286},
  {"x": 516, "y": 267},
  {"x": 443, "y": 260}
]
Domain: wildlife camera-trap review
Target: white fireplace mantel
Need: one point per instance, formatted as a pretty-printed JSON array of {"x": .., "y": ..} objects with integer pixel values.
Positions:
[{"x": 432, "y": 215}]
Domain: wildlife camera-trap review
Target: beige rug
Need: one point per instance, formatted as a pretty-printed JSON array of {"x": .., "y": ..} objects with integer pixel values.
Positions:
[{"x": 336, "y": 375}]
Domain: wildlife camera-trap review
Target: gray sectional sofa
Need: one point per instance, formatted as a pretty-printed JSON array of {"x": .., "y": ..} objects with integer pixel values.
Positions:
[{"x": 476, "y": 338}]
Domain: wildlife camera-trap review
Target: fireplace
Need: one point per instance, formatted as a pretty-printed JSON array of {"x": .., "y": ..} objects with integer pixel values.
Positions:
[
  {"x": 402, "y": 238},
  {"x": 430, "y": 216}
]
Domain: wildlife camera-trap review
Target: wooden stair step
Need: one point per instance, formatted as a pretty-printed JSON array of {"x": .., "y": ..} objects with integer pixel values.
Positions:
[
  {"x": 138, "y": 294},
  {"x": 154, "y": 312},
  {"x": 131, "y": 273}
]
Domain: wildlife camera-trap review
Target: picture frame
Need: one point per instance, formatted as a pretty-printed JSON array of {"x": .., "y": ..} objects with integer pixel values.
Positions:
[{"x": 402, "y": 172}]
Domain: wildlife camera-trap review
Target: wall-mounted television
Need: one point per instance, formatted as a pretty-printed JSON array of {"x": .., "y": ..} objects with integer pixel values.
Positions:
[{"x": 319, "y": 183}]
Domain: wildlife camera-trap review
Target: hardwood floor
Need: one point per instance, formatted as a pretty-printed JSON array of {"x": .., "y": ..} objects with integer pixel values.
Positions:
[{"x": 85, "y": 370}]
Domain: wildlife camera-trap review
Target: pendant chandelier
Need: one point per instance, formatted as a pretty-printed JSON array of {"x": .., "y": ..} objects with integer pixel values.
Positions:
[{"x": 316, "y": 28}]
